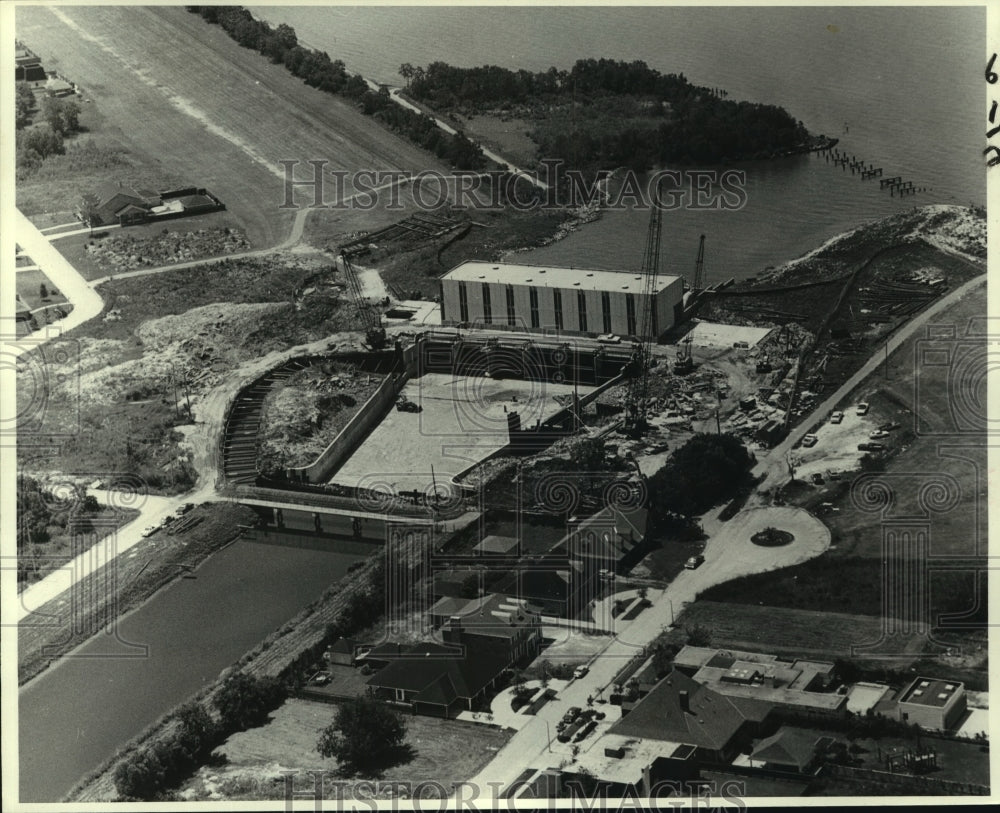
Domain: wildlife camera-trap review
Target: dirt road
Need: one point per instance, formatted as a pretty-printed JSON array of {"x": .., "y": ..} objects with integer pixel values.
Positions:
[{"x": 774, "y": 467}]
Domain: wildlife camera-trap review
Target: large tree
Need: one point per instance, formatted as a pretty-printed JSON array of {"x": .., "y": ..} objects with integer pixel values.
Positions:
[
  {"x": 365, "y": 734},
  {"x": 704, "y": 472}
]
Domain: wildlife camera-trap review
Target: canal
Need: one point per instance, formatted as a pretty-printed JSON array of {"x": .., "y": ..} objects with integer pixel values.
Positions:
[{"x": 80, "y": 711}]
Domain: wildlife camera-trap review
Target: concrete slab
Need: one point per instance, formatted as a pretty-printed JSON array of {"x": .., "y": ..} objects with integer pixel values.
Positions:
[
  {"x": 864, "y": 696},
  {"x": 463, "y": 421},
  {"x": 715, "y": 334},
  {"x": 978, "y": 721}
]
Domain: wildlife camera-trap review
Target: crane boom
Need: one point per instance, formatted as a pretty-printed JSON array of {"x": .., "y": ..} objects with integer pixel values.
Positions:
[
  {"x": 374, "y": 330},
  {"x": 699, "y": 267},
  {"x": 638, "y": 391}
]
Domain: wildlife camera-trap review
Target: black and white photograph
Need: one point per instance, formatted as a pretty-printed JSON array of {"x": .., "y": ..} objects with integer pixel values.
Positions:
[{"x": 414, "y": 406}]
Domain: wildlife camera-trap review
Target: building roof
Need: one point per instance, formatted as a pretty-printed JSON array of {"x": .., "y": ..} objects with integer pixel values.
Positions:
[
  {"x": 610, "y": 534},
  {"x": 637, "y": 754},
  {"x": 497, "y": 544},
  {"x": 437, "y": 675},
  {"x": 711, "y": 722},
  {"x": 789, "y": 746},
  {"x": 343, "y": 645},
  {"x": 548, "y": 276},
  {"x": 925, "y": 691}
]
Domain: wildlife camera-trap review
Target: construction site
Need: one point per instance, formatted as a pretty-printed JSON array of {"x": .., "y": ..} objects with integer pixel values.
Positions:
[{"x": 434, "y": 408}]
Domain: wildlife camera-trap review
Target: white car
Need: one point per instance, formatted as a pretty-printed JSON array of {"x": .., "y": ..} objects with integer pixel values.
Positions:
[
  {"x": 863, "y": 408},
  {"x": 878, "y": 433},
  {"x": 836, "y": 417},
  {"x": 152, "y": 529},
  {"x": 580, "y": 671},
  {"x": 809, "y": 440}
]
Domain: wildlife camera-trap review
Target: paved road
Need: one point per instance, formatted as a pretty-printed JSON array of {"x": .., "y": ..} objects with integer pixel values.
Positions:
[
  {"x": 152, "y": 511},
  {"x": 86, "y": 302}
]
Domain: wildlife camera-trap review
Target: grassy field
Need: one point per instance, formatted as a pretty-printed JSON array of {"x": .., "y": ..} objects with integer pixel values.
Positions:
[
  {"x": 783, "y": 630},
  {"x": 957, "y": 762},
  {"x": 28, "y": 285},
  {"x": 443, "y": 751},
  {"x": 211, "y": 113}
]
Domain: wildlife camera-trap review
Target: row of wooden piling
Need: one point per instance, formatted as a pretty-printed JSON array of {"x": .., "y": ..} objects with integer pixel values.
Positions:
[{"x": 895, "y": 184}]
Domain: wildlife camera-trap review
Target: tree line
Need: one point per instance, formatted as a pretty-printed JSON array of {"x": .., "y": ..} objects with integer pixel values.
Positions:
[
  {"x": 37, "y": 140},
  {"x": 318, "y": 70},
  {"x": 604, "y": 113}
]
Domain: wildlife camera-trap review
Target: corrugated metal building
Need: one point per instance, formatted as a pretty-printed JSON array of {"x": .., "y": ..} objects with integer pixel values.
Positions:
[{"x": 557, "y": 300}]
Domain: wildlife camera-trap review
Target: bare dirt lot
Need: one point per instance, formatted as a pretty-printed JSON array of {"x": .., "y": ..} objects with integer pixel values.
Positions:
[{"x": 444, "y": 751}]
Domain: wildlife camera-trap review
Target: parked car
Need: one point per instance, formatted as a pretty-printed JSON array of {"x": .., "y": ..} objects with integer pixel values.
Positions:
[
  {"x": 580, "y": 671},
  {"x": 817, "y": 478},
  {"x": 609, "y": 338},
  {"x": 152, "y": 529},
  {"x": 810, "y": 440},
  {"x": 863, "y": 408},
  {"x": 871, "y": 447},
  {"x": 694, "y": 561},
  {"x": 741, "y": 345},
  {"x": 836, "y": 417},
  {"x": 888, "y": 427},
  {"x": 878, "y": 433}
]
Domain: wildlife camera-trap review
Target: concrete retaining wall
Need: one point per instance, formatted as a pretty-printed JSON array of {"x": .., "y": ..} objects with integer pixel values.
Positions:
[{"x": 352, "y": 435}]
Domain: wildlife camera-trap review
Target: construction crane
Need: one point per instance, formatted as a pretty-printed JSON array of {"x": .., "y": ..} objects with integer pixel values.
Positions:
[
  {"x": 637, "y": 396},
  {"x": 699, "y": 267},
  {"x": 375, "y": 336}
]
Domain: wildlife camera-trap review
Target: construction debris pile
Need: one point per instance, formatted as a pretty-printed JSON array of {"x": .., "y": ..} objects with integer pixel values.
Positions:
[
  {"x": 305, "y": 412},
  {"x": 119, "y": 254}
]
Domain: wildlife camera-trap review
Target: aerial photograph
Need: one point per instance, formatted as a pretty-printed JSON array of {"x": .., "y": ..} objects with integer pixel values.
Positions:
[{"x": 495, "y": 406}]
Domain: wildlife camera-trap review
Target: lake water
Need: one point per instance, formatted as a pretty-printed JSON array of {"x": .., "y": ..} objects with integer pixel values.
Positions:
[
  {"x": 902, "y": 88},
  {"x": 76, "y": 714}
]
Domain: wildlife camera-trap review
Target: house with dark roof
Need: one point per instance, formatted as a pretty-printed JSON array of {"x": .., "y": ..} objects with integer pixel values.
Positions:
[
  {"x": 497, "y": 625},
  {"x": 115, "y": 203},
  {"x": 437, "y": 680},
  {"x": 612, "y": 538},
  {"x": 558, "y": 585},
  {"x": 342, "y": 652},
  {"x": 790, "y": 749},
  {"x": 679, "y": 709}
]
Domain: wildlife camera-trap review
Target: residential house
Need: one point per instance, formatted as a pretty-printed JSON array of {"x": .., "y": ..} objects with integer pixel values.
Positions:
[
  {"x": 790, "y": 749},
  {"x": 432, "y": 679},
  {"x": 680, "y": 710}
]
